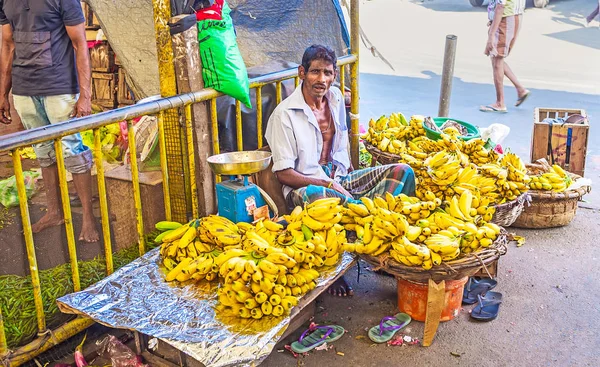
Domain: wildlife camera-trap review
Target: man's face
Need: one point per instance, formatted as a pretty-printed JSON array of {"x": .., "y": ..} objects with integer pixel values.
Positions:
[{"x": 318, "y": 78}]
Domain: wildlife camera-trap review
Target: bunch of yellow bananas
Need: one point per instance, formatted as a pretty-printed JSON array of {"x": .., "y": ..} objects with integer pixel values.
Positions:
[
  {"x": 184, "y": 256},
  {"x": 261, "y": 279},
  {"x": 389, "y": 134},
  {"x": 477, "y": 153},
  {"x": 219, "y": 231},
  {"x": 316, "y": 231},
  {"x": 556, "y": 179}
]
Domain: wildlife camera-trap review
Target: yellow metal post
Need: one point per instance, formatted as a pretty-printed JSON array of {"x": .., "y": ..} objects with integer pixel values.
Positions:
[
  {"x": 45, "y": 342},
  {"x": 103, "y": 202},
  {"x": 297, "y": 81},
  {"x": 278, "y": 92},
  {"x": 238, "y": 125},
  {"x": 354, "y": 117},
  {"x": 33, "y": 268},
  {"x": 174, "y": 136},
  {"x": 342, "y": 78},
  {"x": 135, "y": 178},
  {"x": 259, "y": 117},
  {"x": 215, "y": 130},
  {"x": 163, "y": 165},
  {"x": 66, "y": 205},
  {"x": 3, "y": 343},
  {"x": 191, "y": 159}
]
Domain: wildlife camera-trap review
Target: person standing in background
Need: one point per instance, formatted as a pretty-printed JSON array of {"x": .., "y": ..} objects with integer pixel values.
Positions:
[
  {"x": 593, "y": 15},
  {"x": 504, "y": 22},
  {"x": 45, "y": 61}
]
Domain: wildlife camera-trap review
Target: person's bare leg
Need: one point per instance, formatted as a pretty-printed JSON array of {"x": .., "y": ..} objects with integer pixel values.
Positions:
[
  {"x": 83, "y": 185},
  {"x": 521, "y": 91},
  {"x": 341, "y": 288},
  {"x": 498, "y": 72},
  {"x": 53, "y": 215}
]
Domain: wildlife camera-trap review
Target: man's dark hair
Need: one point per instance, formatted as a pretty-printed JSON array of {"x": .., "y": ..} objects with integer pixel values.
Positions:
[{"x": 318, "y": 52}]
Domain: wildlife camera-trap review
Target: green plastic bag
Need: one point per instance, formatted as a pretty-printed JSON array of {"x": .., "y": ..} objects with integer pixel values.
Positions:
[
  {"x": 8, "y": 188},
  {"x": 223, "y": 67}
]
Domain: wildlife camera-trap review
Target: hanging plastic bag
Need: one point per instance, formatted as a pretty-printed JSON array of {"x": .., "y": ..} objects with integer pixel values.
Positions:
[
  {"x": 8, "y": 188},
  {"x": 119, "y": 354},
  {"x": 223, "y": 67}
]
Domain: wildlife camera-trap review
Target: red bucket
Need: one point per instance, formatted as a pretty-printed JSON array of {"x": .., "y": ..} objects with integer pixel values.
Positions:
[{"x": 412, "y": 298}]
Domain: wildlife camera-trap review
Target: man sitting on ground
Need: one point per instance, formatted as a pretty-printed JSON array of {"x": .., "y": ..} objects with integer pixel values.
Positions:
[{"x": 308, "y": 137}]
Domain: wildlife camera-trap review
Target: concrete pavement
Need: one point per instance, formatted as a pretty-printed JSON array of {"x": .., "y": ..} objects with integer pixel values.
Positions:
[{"x": 549, "y": 316}]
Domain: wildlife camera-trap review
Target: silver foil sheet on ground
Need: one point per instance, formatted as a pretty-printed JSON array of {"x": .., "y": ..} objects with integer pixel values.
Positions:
[{"x": 136, "y": 297}]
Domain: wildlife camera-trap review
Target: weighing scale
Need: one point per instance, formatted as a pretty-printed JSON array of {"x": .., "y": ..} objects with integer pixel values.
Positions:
[{"x": 237, "y": 199}]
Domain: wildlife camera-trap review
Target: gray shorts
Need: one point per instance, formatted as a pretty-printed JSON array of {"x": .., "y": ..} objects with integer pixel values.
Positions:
[{"x": 39, "y": 111}]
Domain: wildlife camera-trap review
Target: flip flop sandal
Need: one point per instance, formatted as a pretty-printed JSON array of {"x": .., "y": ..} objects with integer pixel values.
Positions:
[
  {"x": 475, "y": 287},
  {"x": 488, "y": 307},
  {"x": 492, "y": 109},
  {"x": 388, "y": 327},
  {"x": 317, "y": 335},
  {"x": 522, "y": 99}
]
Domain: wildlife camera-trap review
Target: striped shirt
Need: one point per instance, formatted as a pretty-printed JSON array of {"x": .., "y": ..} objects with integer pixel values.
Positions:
[{"x": 511, "y": 7}]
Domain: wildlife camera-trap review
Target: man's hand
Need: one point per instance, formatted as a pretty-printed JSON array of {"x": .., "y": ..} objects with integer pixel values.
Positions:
[
  {"x": 5, "y": 117},
  {"x": 339, "y": 188},
  {"x": 489, "y": 46},
  {"x": 83, "y": 107}
]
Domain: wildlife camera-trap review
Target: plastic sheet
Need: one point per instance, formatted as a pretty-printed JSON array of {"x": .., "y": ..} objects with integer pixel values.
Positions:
[{"x": 137, "y": 297}]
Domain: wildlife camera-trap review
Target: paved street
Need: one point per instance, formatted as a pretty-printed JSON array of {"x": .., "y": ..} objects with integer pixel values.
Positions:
[
  {"x": 555, "y": 57},
  {"x": 549, "y": 314}
]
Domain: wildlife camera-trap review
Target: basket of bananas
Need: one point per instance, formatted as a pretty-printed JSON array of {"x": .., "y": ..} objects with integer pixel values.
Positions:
[
  {"x": 389, "y": 137},
  {"x": 553, "y": 201},
  {"x": 466, "y": 264},
  {"x": 418, "y": 240}
]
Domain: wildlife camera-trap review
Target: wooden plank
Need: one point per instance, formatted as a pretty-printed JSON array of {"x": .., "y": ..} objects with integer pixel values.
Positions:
[
  {"x": 102, "y": 58},
  {"x": 436, "y": 298},
  {"x": 104, "y": 89},
  {"x": 559, "y": 145},
  {"x": 539, "y": 141},
  {"x": 578, "y": 150},
  {"x": 124, "y": 94}
]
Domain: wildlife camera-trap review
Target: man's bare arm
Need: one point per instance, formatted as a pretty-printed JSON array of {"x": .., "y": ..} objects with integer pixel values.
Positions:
[
  {"x": 84, "y": 103},
  {"x": 294, "y": 179},
  {"x": 6, "y": 60}
]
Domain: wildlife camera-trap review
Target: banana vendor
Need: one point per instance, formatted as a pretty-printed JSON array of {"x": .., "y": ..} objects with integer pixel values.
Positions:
[{"x": 308, "y": 137}]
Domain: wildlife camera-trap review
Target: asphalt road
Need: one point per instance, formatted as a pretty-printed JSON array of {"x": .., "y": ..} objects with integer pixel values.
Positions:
[
  {"x": 555, "y": 57},
  {"x": 549, "y": 312}
]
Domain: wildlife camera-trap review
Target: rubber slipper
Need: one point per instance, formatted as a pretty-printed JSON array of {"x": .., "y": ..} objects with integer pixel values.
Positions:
[
  {"x": 388, "y": 327},
  {"x": 522, "y": 99},
  {"x": 488, "y": 307},
  {"x": 317, "y": 335},
  {"x": 492, "y": 109},
  {"x": 475, "y": 287}
]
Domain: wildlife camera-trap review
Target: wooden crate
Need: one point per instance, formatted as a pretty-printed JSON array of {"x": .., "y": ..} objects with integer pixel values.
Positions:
[
  {"x": 565, "y": 145},
  {"x": 104, "y": 88},
  {"x": 91, "y": 21},
  {"x": 124, "y": 94},
  {"x": 102, "y": 58}
]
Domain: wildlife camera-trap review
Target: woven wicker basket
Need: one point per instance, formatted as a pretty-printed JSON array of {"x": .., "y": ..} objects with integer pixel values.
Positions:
[
  {"x": 463, "y": 266},
  {"x": 506, "y": 214},
  {"x": 551, "y": 209},
  {"x": 381, "y": 157}
]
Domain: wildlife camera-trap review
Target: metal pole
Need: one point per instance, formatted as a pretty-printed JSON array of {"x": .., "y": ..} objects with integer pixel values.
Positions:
[{"x": 447, "y": 75}]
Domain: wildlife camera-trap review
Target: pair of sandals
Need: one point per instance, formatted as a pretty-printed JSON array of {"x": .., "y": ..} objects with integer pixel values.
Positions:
[
  {"x": 491, "y": 108},
  {"x": 315, "y": 335},
  {"x": 487, "y": 303}
]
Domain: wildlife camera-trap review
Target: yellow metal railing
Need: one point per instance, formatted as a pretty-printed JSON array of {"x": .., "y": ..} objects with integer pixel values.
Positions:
[{"x": 15, "y": 142}]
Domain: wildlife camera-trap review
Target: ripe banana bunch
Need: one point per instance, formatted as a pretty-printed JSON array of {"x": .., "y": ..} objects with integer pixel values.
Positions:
[
  {"x": 219, "y": 231},
  {"x": 411, "y": 254},
  {"x": 389, "y": 134},
  {"x": 444, "y": 168},
  {"x": 484, "y": 236},
  {"x": 556, "y": 179},
  {"x": 477, "y": 153},
  {"x": 444, "y": 245},
  {"x": 239, "y": 301},
  {"x": 319, "y": 215}
]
